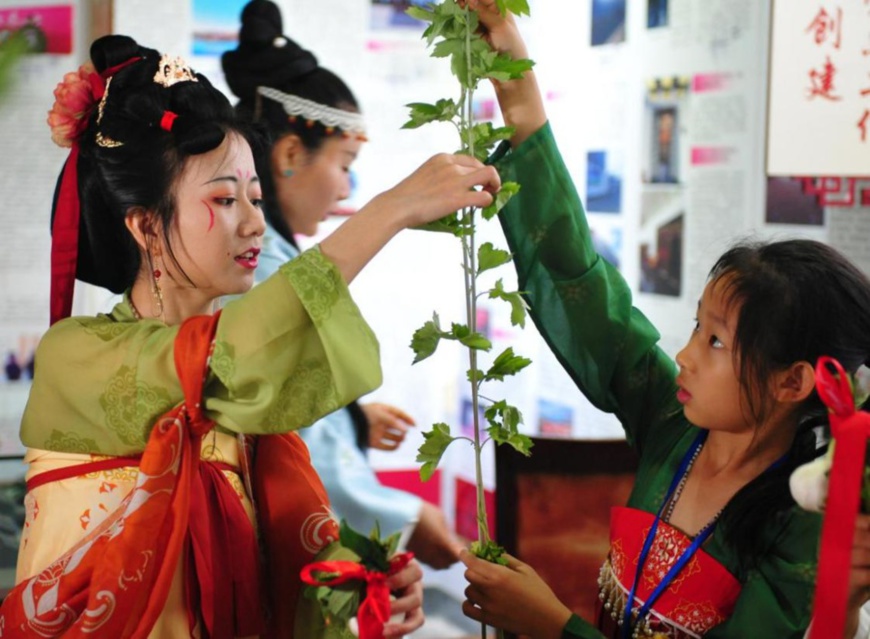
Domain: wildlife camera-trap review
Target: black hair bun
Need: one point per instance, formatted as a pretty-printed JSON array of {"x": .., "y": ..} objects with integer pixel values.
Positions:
[
  {"x": 261, "y": 24},
  {"x": 264, "y": 57},
  {"x": 112, "y": 50}
]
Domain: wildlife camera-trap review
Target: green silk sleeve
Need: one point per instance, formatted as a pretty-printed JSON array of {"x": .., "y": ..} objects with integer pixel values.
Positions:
[
  {"x": 576, "y": 628},
  {"x": 579, "y": 302},
  {"x": 777, "y": 595},
  {"x": 291, "y": 350}
]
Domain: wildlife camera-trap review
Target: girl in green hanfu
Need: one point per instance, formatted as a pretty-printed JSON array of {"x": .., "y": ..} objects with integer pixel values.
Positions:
[
  {"x": 127, "y": 533},
  {"x": 711, "y": 543}
]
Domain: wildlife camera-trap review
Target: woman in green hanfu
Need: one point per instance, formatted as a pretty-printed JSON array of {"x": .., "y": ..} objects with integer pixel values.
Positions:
[{"x": 140, "y": 519}]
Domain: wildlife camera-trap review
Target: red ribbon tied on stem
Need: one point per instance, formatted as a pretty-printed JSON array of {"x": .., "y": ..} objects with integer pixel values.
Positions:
[
  {"x": 374, "y": 611},
  {"x": 850, "y": 429}
]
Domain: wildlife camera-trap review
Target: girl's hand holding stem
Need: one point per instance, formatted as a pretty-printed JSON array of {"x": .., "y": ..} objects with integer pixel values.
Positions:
[{"x": 512, "y": 597}]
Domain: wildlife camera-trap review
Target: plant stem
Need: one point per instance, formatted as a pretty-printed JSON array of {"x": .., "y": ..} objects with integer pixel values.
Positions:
[{"x": 469, "y": 255}]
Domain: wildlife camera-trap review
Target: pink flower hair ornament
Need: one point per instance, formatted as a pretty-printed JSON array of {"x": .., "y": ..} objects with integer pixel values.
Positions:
[{"x": 74, "y": 99}]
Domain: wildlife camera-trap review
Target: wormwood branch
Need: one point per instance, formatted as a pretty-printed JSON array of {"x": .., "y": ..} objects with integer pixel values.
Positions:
[{"x": 453, "y": 33}]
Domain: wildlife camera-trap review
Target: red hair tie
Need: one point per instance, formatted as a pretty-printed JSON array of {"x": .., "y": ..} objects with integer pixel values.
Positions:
[{"x": 167, "y": 120}]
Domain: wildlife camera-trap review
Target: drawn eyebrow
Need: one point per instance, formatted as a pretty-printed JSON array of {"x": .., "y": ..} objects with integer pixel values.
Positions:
[
  {"x": 230, "y": 178},
  {"x": 222, "y": 178}
]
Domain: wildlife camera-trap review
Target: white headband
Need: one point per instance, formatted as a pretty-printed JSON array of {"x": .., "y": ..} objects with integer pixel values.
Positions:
[{"x": 295, "y": 106}]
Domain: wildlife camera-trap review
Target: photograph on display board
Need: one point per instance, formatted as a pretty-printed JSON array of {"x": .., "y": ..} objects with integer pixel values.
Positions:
[
  {"x": 603, "y": 182},
  {"x": 664, "y": 158},
  {"x": 657, "y": 14},
  {"x": 607, "y": 242},
  {"x": 216, "y": 26},
  {"x": 665, "y": 107},
  {"x": 46, "y": 29},
  {"x": 608, "y": 22},
  {"x": 467, "y": 426},
  {"x": 554, "y": 419},
  {"x": 661, "y": 259},
  {"x": 789, "y": 203},
  {"x": 392, "y": 14}
]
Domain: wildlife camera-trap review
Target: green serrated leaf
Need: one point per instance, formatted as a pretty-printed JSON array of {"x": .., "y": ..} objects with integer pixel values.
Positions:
[
  {"x": 507, "y": 363},
  {"x": 475, "y": 340},
  {"x": 504, "y": 416},
  {"x": 338, "y": 604},
  {"x": 515, "y": 299},
  {"x": 518, "y": 7},
  {"x": 426, "y": 338},
  {"x": 459, "y": 331},
  {"x": 392, "y": 543},
  {"x": 423, "y": 113},
  {"x": 370, "y": 551},
  {"x": 505, "y": 193},
  {"x": 489, "y": 257},
  {"x": 504, "y": 68},
  {"x": 435, "y": 443},
  {"x": 420, "y": 13},
  {"x": 521, "y": 443},
  {"x": 448, "y": 47},
  {"x": 449, "y": 224},
  {"x": 504, "y": 421}
]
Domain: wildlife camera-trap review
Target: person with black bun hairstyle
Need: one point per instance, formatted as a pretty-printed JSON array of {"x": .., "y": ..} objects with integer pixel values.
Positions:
[
  {"x": 140, "y": 422},
  {"x": 315, "y": 131}
]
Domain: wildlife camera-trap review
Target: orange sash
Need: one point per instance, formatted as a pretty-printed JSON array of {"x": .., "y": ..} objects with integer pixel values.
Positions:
[
  {"x": 701, "y": 596},
  {"x": 115, "y": 581},
  {"x": 295, "y": 522}
]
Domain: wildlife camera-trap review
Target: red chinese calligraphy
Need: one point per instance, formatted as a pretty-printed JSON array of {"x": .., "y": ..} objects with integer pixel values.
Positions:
[
  {"x": 824, "y": 25},
  {"x": 836, "y": 191},
  {"x": 823, "y": 82},
  {"x": 862, "y": 124}
]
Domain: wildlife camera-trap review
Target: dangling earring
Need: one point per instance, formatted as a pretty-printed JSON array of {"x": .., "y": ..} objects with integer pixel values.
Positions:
[
  {"x": 156, "y": 292},
  {"x": 288, "y": 173}
]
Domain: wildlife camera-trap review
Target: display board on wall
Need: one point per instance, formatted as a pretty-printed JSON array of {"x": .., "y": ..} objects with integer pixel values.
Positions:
[{"x": 819, "y": 110}]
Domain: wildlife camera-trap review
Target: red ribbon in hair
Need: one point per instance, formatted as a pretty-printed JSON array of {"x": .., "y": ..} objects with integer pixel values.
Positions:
[
  {"x": 850, "y": 430},
  {"x": 374, "y": 611},
  {"x": 167, "y": 120},
  {"x": 65, "y": 229}
]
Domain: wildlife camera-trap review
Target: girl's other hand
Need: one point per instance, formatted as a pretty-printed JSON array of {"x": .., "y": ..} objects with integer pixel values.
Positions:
[{"x": 499, "y": 30}]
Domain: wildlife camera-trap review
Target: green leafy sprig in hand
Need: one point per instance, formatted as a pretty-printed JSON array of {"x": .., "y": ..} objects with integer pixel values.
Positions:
[
  {"x": 454, "y": 33},
  {"x": 340, "y": 602}
]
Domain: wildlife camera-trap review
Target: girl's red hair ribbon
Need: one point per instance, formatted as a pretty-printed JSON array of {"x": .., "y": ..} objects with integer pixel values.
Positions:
[
  {"x": 374, "y": 611},
  {"x": 850, "y": 430}
]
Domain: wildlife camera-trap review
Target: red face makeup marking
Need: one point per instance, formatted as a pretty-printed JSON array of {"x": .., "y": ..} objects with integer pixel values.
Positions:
[{"x": 210, "y": 215}]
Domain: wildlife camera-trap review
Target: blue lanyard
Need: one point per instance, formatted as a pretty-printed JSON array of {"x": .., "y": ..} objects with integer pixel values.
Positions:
[{"x": 687, "y": 554}]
